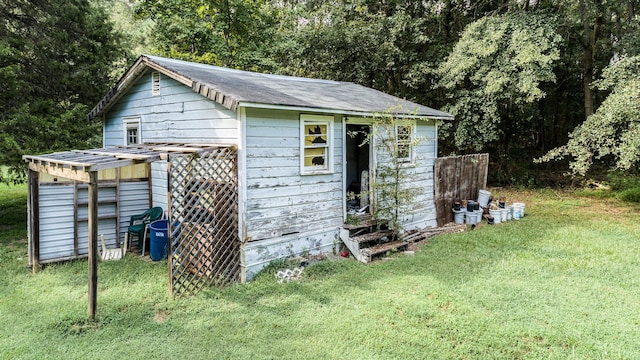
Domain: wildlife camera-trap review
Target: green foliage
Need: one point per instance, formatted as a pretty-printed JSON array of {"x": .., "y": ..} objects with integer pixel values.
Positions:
[
  {"x": 494, "y": 76},
  {"x": 495, "y": 292},
  {"x": 614, "y": 130},
  {"x": 233, "y": 33},
  {"x": 56, "y": 61},
  {"x": 395, "y": 179}
]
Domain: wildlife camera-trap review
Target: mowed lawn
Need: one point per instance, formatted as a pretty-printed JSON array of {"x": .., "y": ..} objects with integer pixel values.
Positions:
[{"x": 562, "y": 283}]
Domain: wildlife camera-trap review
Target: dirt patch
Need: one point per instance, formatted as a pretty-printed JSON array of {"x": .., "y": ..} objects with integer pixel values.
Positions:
[{"x": 161, "y": 316}]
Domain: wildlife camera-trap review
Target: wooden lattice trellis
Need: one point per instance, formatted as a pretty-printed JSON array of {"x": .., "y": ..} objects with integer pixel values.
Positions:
[{"x": 203, "y": 218}]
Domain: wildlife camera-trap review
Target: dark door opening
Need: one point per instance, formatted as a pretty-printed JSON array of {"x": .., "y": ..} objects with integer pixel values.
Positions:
[{"x": 358, "y": 175}]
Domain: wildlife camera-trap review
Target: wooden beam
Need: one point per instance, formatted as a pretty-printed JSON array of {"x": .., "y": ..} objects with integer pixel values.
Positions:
[
  {"x": 118, "y": 155},
  {"x": 93, "y": 244},
  {"x": 34, "y": 219},
  {"x": 59, "y": 171},
  {"x": 56, "y": 159}
]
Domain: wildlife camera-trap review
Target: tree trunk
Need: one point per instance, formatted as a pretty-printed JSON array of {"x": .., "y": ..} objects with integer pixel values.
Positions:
[{"x": 588, "y": 44}]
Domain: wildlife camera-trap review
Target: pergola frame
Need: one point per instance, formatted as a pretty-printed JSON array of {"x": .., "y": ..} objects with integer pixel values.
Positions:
[{"x": 83, "y": 166}]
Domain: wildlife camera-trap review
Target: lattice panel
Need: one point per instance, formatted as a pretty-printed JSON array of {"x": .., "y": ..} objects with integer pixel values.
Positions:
[{"x": 205, "y": 248}]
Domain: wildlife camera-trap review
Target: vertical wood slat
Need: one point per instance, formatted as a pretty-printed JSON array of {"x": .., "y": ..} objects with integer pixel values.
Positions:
[
  {"x": 34, "y": 222},
  {"x": 458, "y": 178},
  {"x": 93, "y": 244}
]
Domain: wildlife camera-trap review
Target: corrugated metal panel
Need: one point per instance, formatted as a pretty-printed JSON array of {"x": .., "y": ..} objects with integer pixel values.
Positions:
[
  {"x": 134, "y": 199},
  {"x": 57, "y": 217},
  {"x": 56, "y": 222},
  {"x": 159, "y": 184}
]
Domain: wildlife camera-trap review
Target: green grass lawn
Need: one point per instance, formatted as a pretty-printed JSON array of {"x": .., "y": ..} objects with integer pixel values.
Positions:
[{"x": 562, "y": 283}]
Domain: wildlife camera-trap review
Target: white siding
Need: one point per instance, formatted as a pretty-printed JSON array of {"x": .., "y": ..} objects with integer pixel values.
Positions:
[
  {"x": 280, "y": 201},
  {"x": 159, "y": 185},
  {"x": 287, "y": 213},
  {"x": 421, "y": 178},
  {"x": 177, "y": 115}
]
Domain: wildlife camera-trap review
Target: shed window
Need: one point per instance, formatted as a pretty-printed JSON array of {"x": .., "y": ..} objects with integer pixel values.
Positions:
[
  {"x": 132, "y": 131},
  {"x": 404, "y": 142},
  {"x": 316, "y": 146},
  {"x": 155, "y": 83}
]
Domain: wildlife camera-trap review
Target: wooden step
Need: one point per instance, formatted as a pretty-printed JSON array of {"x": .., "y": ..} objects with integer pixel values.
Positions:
[
  {"x": 374, "y": 236},
  {"x": 383, "y": 248},
  {"x": 361, "y": 225}
]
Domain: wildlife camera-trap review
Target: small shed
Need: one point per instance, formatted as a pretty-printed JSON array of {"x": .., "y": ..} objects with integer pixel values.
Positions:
[{"x": 292, "y": 161}]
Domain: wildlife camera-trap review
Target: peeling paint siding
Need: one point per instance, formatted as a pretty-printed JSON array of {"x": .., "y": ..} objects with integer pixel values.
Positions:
[
  {"x": 177, "y": 115},
  {"x": 279, "y": 200},
  {"x": 259, "y": 254},
  {"x": 287, "y": 214},
  {"x": 424, "y": 216}
]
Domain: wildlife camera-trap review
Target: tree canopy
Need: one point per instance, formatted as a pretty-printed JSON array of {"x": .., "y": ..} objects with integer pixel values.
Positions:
[
  {"x": 523, "y": 77},
  {"x": 614, "y": 130},
  {"x": 55, "y": 62},
  {"x": 494, "y": 76}
]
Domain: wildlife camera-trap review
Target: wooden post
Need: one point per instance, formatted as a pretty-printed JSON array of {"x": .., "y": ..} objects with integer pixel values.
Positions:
[
  {"x": 34, "y": 219},
  {"x": 117, "y": 207},
  {"x": 170, "y": 217},
  {"x": 93, "y": 243}
]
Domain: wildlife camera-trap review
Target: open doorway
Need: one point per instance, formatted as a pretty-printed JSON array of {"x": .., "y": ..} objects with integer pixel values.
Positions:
[{"x": 358, "y": 158}]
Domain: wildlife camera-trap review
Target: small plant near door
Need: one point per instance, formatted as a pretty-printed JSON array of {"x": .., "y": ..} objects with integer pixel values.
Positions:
[{"x": 394, "y": 183}]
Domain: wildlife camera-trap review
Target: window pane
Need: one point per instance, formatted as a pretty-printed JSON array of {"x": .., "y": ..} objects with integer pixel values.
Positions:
[
  {"x": 132, "y": 136},
  {"x": 315, "y": 157},
  {"x": 315, "y": 135},
  {"x": 404, "y": 142}
]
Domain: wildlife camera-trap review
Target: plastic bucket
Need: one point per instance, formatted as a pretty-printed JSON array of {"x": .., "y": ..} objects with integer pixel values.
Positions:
[
  {"x": 521, "y": 207},
  {"x": 159, "y": 240},
  {"x": 472, "y": 218},
  {"x": 517, "y": 212},
  {"x": 497, "y": 215},
  {"x": 483, "y": 197},
  {"x": 458, "y": 216},
  {"x": 509, "y": 212},
  {"x": 503, "y": 213}
]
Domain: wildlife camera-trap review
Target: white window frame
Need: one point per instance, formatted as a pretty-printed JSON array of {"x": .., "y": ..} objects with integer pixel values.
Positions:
[
  {"x": 128, "y": 124},
  {"x": 412, "y": 136},
  {"x": 155, "y": 83},
  {"x": 324, "y": 120}
]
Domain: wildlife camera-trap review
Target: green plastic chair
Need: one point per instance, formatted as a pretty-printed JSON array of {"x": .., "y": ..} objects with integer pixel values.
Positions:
[{"x": 138, "y": 225}]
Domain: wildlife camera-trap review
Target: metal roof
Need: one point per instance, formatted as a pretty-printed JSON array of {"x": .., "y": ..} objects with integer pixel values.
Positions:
[{"x": 233, "y": 88}]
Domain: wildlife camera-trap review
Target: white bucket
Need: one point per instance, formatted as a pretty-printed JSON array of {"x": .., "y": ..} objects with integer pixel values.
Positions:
[
  {"x": 503, "y": 213},
  {"x": 483, "y": 198},
  {"x": 458, "y": 216},
  {"x": 497, "y": 216},
  {"x": 509, "y": 212},
  {"x": 517, "y": 213},
  {"x": 521, "y": 207},
  {"x": 472, "y": 218}
]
